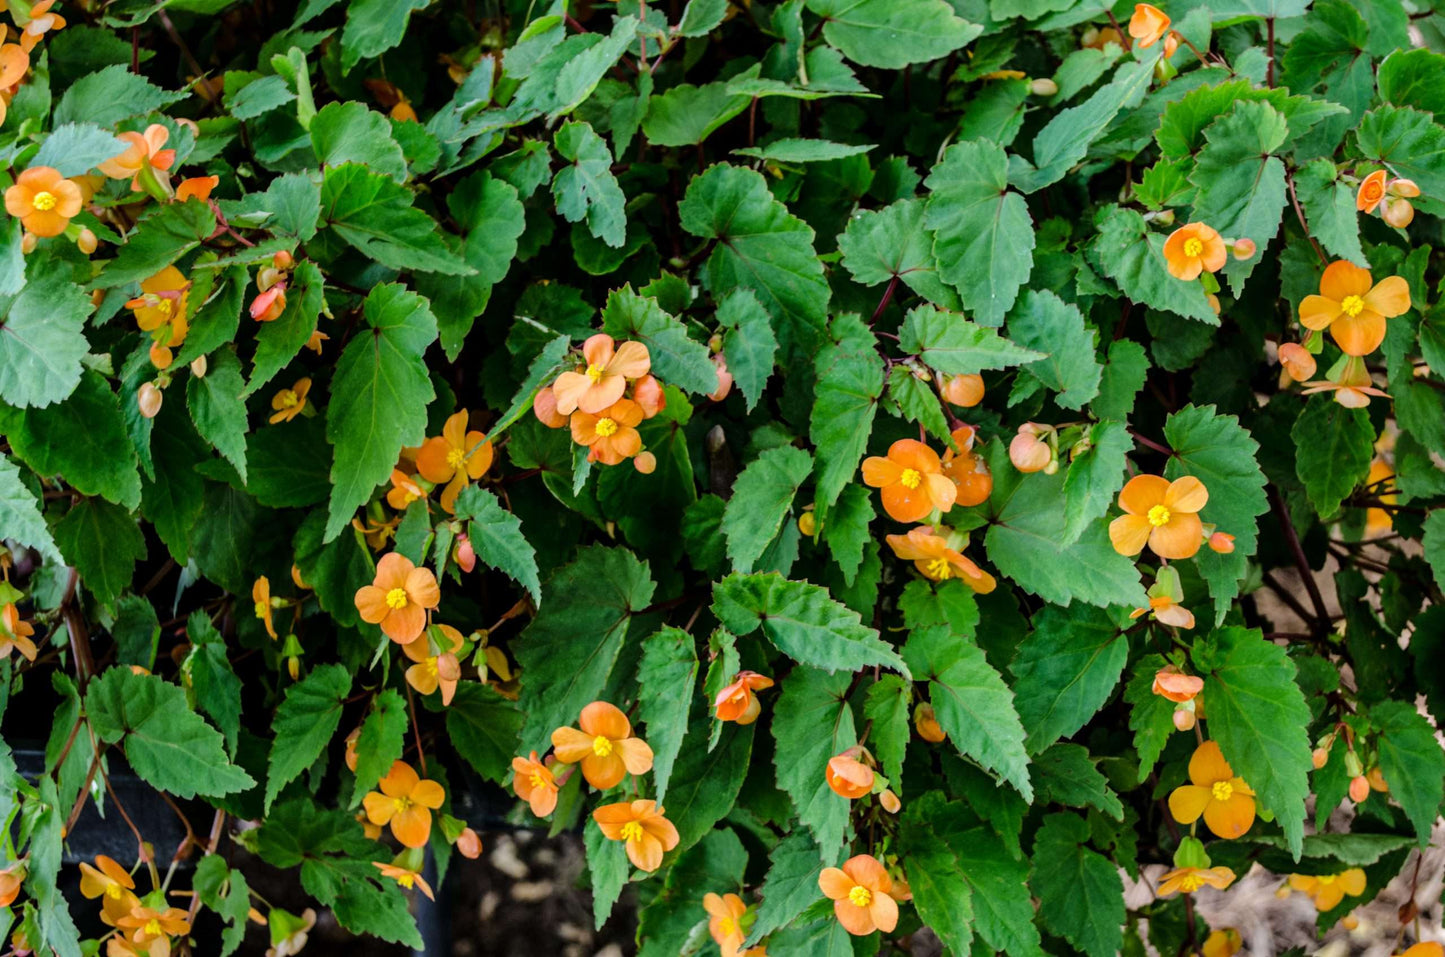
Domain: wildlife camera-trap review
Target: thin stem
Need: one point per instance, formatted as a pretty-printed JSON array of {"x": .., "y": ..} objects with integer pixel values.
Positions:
[
  {"x": 887, "y": 297},
  {"x": 415, "y": 730},
  {"x": 1322, "y": 615},
  {"x": 1151, "y": 444}
]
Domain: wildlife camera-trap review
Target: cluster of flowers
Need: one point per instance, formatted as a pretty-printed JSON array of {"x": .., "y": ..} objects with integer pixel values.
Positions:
[
  {"x": 31, "y": 24},
  {"x": 404, "y": 802},
  {"x": 593, "y": 400}
]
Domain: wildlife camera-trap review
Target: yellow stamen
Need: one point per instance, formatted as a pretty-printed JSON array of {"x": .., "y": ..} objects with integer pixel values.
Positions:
[
  {"x": 1326, "y": 879},
  {"x": 937, "y": 569},
  {"x": 602, "y": 746},
  {"x": 606, "y": 427},
  {"x": 406, "y": 880},
  {"x": 262, "y": 608},
  {"x": 396, "y": 598},
  {"x": 1159, "y": 515},
  {"x": 1191, "y": 883},
  {"x": 1193, "y": 246},
  {"x": 431, "y": 667},
  {"x": 537, "y": 780},
  {"x": 44, "y": 201},
  {"x": 164, "y": 306},
  {"x": 153, "y": 927},
  {"x": 632, "y": 831},
  {"x": 726, "y": 926},
  {"x": 860, "y": 896},
  {"x": 594, "y": 372},
  {"x": 911, "y": 478},
  {"x": 1352, "y": 306},
  {"x": 401, "y": 804},
  {"x": 1222, "y": 790},
  {"x": 455, "y": 458},
  {"x": 114, "y": 890},
  {"x": 289, "y": 398}
]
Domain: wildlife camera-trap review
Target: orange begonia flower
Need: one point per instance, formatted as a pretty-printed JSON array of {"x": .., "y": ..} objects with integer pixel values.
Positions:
[
  {"x": 1171, "y": 683},
  {"x": 270, "y": 304},
  {"x": 1194, "y": 248},
  {"x": 10, "y": 880},
  {"x": 1353, "y": 387},
  {"x": 968, "y": 471},
  {"x": 404, "y": 490},
  {"x": 1297, "y": 361},
  {"x": 455, "y": 457},
  {"x": 405, "y": 801},
  {"x": 15, "y": 634},
  {"x": 43, "y": 201},
  {"x": 41, "y": 21},
  {"x": 150, "y": 929},
  {"x": 725, "y": 915},
  {"x": 1163, "y": 608},
  {"x": 433, "y": 671},
  {"x": 161, "y": 306},
  {"x": 1353, "y": 308},
  {"x": 399, "y": 598},
  {"x": 534, "y": 783},
  {"x": 912, "y": 481},
  {"x": 1425, "y": 949},
  {"x": 605, "y": 746},
  {"x": 648, "y": 835},
  {"x": 847, "y": 775},
  {"x": 544, "y": 407},
  {"x": 144, "y": 150},
  {"x": 604, "y": 379},
  {"x": 1222, "y": 943},
  {"x": 261, "y": 595},
  {"x": 197, "y": 187},
  {"x": 930, "y": 554},
  {"x": 862, "y": 895},
  {"x": 469, "y": 844},
  {"x": 106, "y": 879},
  {"x": 1379, "y": 480},
  {"x": 406, "y": 877},
  {"x": 376, "y": 532},
  {"x": 1162, "y": 514},
  {"x": 1187, "y": 880},
  {"x": 1327, "y": 890},
  {"x": 724, "y": 379},
  {"x": 1214, "y": 791},
  {"x": 1372, "y": 192},
  {"x": 925, "y": 722},
  {"x": 1148, "y": 25},
  {"x": 611, "y": 437},
  {"x": 648, "y": 393},
  {"x": 737, "y": 702},
  {"x": 288, "y": 403},
  {"x": 14, "y": 64}
]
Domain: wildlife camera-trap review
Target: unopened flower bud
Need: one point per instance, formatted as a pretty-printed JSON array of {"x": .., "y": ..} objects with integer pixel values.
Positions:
[
  {"x": 464, "y": 554},
  {"x": 161, "y": 357},
  {"x": 1319, "y": 757},
  {"x": 86, "y": 241},
  {"x": 1349, "y": 922},
  {"x": 925, "y": 722},
  {"x": 1244, "y": 248},
  {"x": 1398, "y": 213},
  {"x": 283, "y": 260},
  {"x": 724, "y": 379},
  {"x": 1184, "y": 719},
  {"x": 1043, "y": 86},
  {"x": 1221, "y": 542},
  {"x": 648, "y": 393},
  {"x": 148, "y": 397},
  {"x": 1376, "y": 779},
  {"x": 1165, "y": 217},
  {"x": 1028, "y": 452},
  {"x": 645, "y": 462},
  {"x": 1297, "y": 361},
  {"x": 808, "y": 524},
  {"x": 199, "y": 365},
  {"x": 1359, "y": 789},
  {"x": 1171, "y": 43},
  {"x": 28, "y": 242},
  {"x": 544, "y": 407},
  {"x": 714, "y": 343},
  {"x": 269, "y": 305},
  {"x": 890, "y": 801},
  {"x": 964, "y": 391},
  {"x": 469, "y": 844},
  {"x": 1403, "y": 187}
]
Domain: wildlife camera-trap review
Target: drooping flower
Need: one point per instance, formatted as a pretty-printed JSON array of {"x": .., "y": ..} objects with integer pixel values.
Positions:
[
  {"x": 967, "y": 469},
  {"x": 399, "y": 598},
  {"x": 1327, "y": 890},
  {"x": 15, "y": 634},
  {"x": 160, "y": 310},
  {"x": 1148, "y": 24},
  {"x": 1031, "y": 449},
  {"x": 601, "y": 383},
  {"x": 925, "y": 722},
  {"x": 1297, "y": 361},
  {"x": 197, "y": 187},
  {"x": 151, "y": 930},
  {"x": 534, "y": 783},
  {"x": 724, "y": 379},
  {"x": 454, "y": 458},
  {"x": 935, "y": 560},
  {"x": 605, "y": 746},
  {"x": 145, "y": 150},
  {"x": 11, "y": 877},
  {"x": 725, "y": 917},
  {"x": 1173, "y": 684},
  {"x": 261, "y": 595},
  {"x": 440, "y": 670},
  {"x": 404, "y": 490},
  {"x": 288, "y": 403},
  {"x": 41, "y": 22},
  {"x": 269, "y": 305},
  {"x": 405, "y": 802},
  {"x": 406, "y": 877},
  {"x": 289, "y": 932},
  {"x": 1222, "y": 943},
  {"x": 641, "y": 825},
  {"x": 43, "y": 201},
  {"x": 1352, "y": 384},
  {"x": 912, "y": 481},
  {"x": 1187, "y": 880},
  {"x": 1372, "y": 191},
  {"x": 1353, "y": 307},
  {"x": 1215, "y": 792},
  {"x": 649, "y": 393},
  {"x": 862, "y": 895},
  {"x": 612, "y": 436},
  {"x": 1162, "y": 514},
  {"x": 847, "y": 775},
  {"x": 737, "y": 702},
  {"x": 1192, "y": 249},
  {"x": 1165, "y": 609}
]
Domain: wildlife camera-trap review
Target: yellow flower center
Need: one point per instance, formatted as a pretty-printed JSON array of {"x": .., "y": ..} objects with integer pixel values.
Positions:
[
  {"x": 937, "y": 569},
  {"x": 164, "y": 306},
  {"x": 44, "y": 201},
  {"x": 632, "y": 831},
  {"x": 455, "y": 458},
  {"x": 153, "y": 927},
  {"x": 1191, "y": 883},
  {"x": 431, "y": 666},
  {"x": 289, "y": 398},
  {"x": 594, "y": 372},
  {"x": 114, "y": 890},
  {"x": 910, "y": 478},
  {"x": 261, "y": 609},
  {"x": 537, "y": 779},
  {"x": 1352, "y": 306},
  {"x": 860, "y": 896},
  {"x": 396, "y": 598},
  {"x": 406, "y": 880},
  {"x": 402, "y": 804},
  {"x": 1222, "y": 790},
  {"x": 1193, "y": 246},
  {"x": 727, "y": 926},
  {"x": 1159, "y": 515},
  {"x": 602, "y": 746},
  {"x": 606, "y": 427},
  {"x": 1326, "y": 879}
]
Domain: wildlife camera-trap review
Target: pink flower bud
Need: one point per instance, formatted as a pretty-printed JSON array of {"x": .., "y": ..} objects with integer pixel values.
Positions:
[
  {"x": 1243, "y": 248},
  {"x": 199, "y": 365},
  {"x": 469, "y": 844},
  {"x": 964, "y": 391},
  {"x": 148, "y": 397},
  {"x": 544, "y": 407},
  {"x": 645, "y": 462},
  {"x": 1027, "y": 452},
  {"x": 1398, "y": 213},
  {"x": 1319, "y": 757},
  {"x": 724, "y": 379},
  {"x": 86, "y": 241},
  {"x": 283, "y": 260},
  {"x": 1297, "y": 361},
  {"x": 464, "y": 554},
  {"x": 1221, "y": 542},
  {"x": 1184, "y": 719},
  {"x": 648, "y": 393},
  {"x": 1359, "y": 789}
]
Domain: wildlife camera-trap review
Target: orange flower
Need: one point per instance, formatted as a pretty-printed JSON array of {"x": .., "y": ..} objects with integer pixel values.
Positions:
[
  {"x": 1194, "y": 247},
  {"x": 544, "y": 407},
  {"x": 399, "y": 598},
  {"x": 605, "y": 746},
  {"x": 406, "y": 877},
  {"x": 433, "y": 671},
  {"x": 725, "y": 915},
  {"x": 1378, "y": 520},
  {"x": 965, "y": 391},
  {"x": 1297, "y": 361},
  {"x": 10, "y": 880},
  {"x": 314, "y": 343},
  {"x": 469, "y": 844},
  {"x": 1178, "y": 687},
  {"x": 268, "y": 305},
  {"x": 404, "y": 490},
  {"x": 288, "y": 403},
  {"x": 377, "y": 532},
  {"x": 1352, "y": 389},
  {"x": 150, "y": 930},
  {"x": 534, "y": 783},
  {"x": 144, "y": 151},
  {"x": 15, "y": 634},
  {"x": 455, "y": 457},
  {"x": 968, "y": 470},
  {"x": 1164, "y": 608},
  {"x": 161, "y": 306},
  {"x": 930, "y": 554},
  {"x": 1224, "y": 800},
  {"x": 912, "y": 481},
  {"x": 1189, "y": 879},
  {"x": 604, "y": 379},
  {"x": 1425, "y": 949},
  {"x": 847, "y": 775},
  {"x": 1352, "y": 308},
  {"x": 1163, "y": 514},
  {"x": 737, "y": 702},
  {"x": 41, "y": 22},
  {"x": 612, "y": 436},
  {"x": 648, "y": 393},
  {"x": 106, "y": 879},
  {"x": 43, "y": 201},
  {"x": 862, "y": 895},
  {"x": 640, "y": 823},
  {"x": 261, "y": 595},
  {"x": 197, "y": 187},
  {"x": 1327, "y": 890},
  {"x": 1222, "y": 943},
  {"x": 405, "y": 801},
  {"x": 1148, "y": 25},
  {"x": 925, "y": 722},
  {"x": 1372, "y": 192}
]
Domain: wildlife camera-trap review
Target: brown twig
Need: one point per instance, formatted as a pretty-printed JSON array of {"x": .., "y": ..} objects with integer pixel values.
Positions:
[
  {"x": 1322, "y": 616},
  {"x": 1151, "y": 444},
  {"x": 887, "y": 297},
  {"x": 415, "y": 730},
  {"x": 79, "y": 634}
]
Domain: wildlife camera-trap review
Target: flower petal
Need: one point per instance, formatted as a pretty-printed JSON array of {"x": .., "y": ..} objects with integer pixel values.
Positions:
[
  {"x": 432, "y": 462},
  {"x": 1178, "y": 538},
  {"x": 1390, "y": 297},
  {"x": 879, "y": 472},
  {"x": 1207, "y": 765},
  {"x": 913, "y": 454},
  {"x": 834, "y": 884},
  {"x": 371, "y": 604},
  {"x": 1317, "y": 312},
  {"x": 605, "y": 719},
  {"x": 392, "y": 570},
  {"x": 1359, "y": 335},
  {"x": 855, "y": 920},
  {"x": 631, "y": 361},
  {"x": 569, "y": 389},
  {"x": 1129, "y": 533},
  {"x": 1188, "y": 802},
  {"x": 1231, "y": 818},
  {"x": 603, "y": 772},
  {"x": 1143, "y": 492},
  {"x": 597, "y": 350},
  {"x": 906, "y": 504},
  {"x": 413, "y": 826},
  {"x": 572, "y": 745},
  {"x": 403, "y": 625},
  {"x": 883, "y": 911},
  {"x": 1186, "y": 494},
  {"x": 421, "y": 587},
  {"x": 399, "y": 780},
  {"x": 1343, "y": 278},
  {"x": 636, "y": 755},
  {"x": 869, "y": 872},
  {"x": 603, "y": 393},
  {"x": 428, "y": 793}
]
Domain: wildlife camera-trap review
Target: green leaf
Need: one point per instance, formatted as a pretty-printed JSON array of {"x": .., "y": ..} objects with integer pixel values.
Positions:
[
  {"x": 587, "y": 190},
  {"x": 110, "y": 95},
  {"x": 595, "y": 596},
  {"x": 847, "y": 529},
  {"x": 791, "y": 884},
  {"x": 705, "y": 783},
  {"x": 290, "y": 204},
  {"x": 762, "y": 499},
  {"x": 850, "y": 383},
  {"x": 795, "y": 150},
  {"x": 383, "y": 376},
  {"x": 380, "y": 742},
  {"x": 686, "y": 115},
  {"x": 103, "y": 543},
  {"x": 888, "y": 707},
  {"x": 1123, "y": 378},
  {"x": 665, "y": 678},
  {"x": 881, "y": 245},
  {"x": 373, "y": 213},
  {"x": 1333, "y": 449},
  {"x": 1066, "y": 670},
  {"x": 483, "y": 727},
  {"x": 983, "y": 234},
  {"x": 1408, "y": 143},
  {"x": 218, "y": 410},
  {"x": 1259, "y": 717},
  {"x": 224, "y": 536},
  {"x": 1080, "y": 894},
  {"x": 1044, "y": 323},
  {"x": 1408, "y": 78},
  {"x": 1241, "y": 187},
  {"x": 972, "y": 703},
  {"x": 1412, "y": 763},
  {"x": 916, "y": 400},
  {"x": 1151, "y": 716},
  {"x": 802, "y": 621},
  {"x": 348, "y": 132},
  {"x": 258, "y": 97},
  {"x": 941, "y": 893},
  {"x": 749, "y": 346},
  {"x": 1067, "y": 775},
  {"x": 46, "y": 846},
  {"x": 496, "y": 536},
  {"x": 761, "y": 247},
  {"x": 373, "y": 27},
  {"x": 73, "y": 149},
  {"x": 1095, "y": 476},
  {"x": 304, "y": 725},
  {"x": 667, "y": 923},
  {"x": 677, "y": 359},
  {"x": 1133, "y": 256},
  {"x": 211, "y": 878},
  {"x": 20, "y": 514},
  {"x": 811, "y": 723},
  {"x": 1329, "y": 207},
  {"x": 289, "y": 463},
  {"x": 335, "y": 570},
  {"x": 891, "y": 34},
  {"x": 1433, "y": 544},
  {"x": 608, "y": 865},
  {"x": 214, "y": 686},
  {"x": 951, "y": 344},
  {"x": 580, "y": 74},
  {"x": 701, "y": 17},
  {"x": 166, "y": 743},
  {"x": 162, "y": 236},
  {"x": 136, "y": 631}
]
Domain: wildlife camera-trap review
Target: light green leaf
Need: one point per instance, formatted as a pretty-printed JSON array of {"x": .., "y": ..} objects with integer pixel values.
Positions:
[
  {"x": 1123, "y": 377},
  {"x": 1412, "y": 763},
  {"x": 892, "y": 243},
  {"x": 850, "y": 383},
  {"x": 290, "y": 204},
  {"x": 794, "y": 150},
  {"x": 42, "y": 342},
  {"x": 1151, "y": 716},
  {"x": 373, "y": 213},
  {"x": 1044, "y": 323},
  {"x": 665, "y": 678},
  {"x": 1241, "y": 186},
  {"x": 348, "y": 132},
  {"x": 888, "y": 707},
  {"x": 1095, "y": 476},
  {"x": 580, "y": 74},
  {"x": 1408, "y": 143},
  {"x": 587, "y": 190},
  {"x": 677, "y": 358},
  {"x": 812, "y": 722},
  {"x": 701, "y": 17},
  {"x": 20, "y": 514},
  {"x": 162, "y": 236},
  {"x": 917, "y": 401},
  {"x": 103, "y": 543},
  {"x": 1080, "y": 894},
  {"x": 607, "y": 864},
  {"x": 483, "y": 726},
  {"x": 1334, "y": 447},
  {"x": 891, "y": 34},
  {"x": 1408, "y": 78},
  {"x": 304, "y": 724},
  {"x": 1329, "y": 207},
  {"x": 259, "y": 96},
  {"x": 686, "y": 115},
  {"x": 212, "y": 876},
  {"x": 496, "y": 536},
  {"x": 218, "y": 410},
  {"x": 110, "y": 95},
  {"x": 373, "y": 27},
  {"x": 214, "y": 687},
  {"x": 380, "y": 742},
  {"x": 846, "y": 531},
  {"x": 761, "y": 501},
  {"x": 1133, "y": 256},
  {"x": 749, "y": 346},
  {"x": 791, "y": 884},
  {"x": 1066, "y": 670},
  {"x": 951, "y": 344},
  {"x": 73, "y": 149}
]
